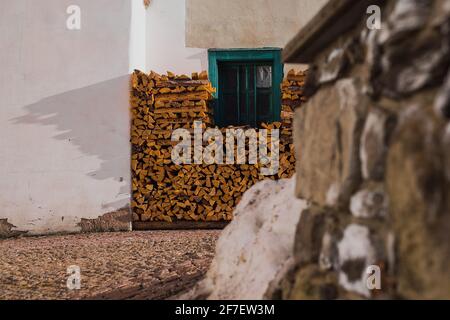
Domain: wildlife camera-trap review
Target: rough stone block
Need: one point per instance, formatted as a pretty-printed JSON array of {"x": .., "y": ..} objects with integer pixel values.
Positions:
[
  {"x": 311, "y": 283},
  {"x": 328, "y": 259},
  {"x": 442, "y": 101},
  {"x": 415, "y": 55},
  {"x": 308, "y": 236},
  {"x": 446, "y": 146},
  {"x": 374, "y": 143},
  {"x": 327, "y": 133},
  {"x": 419, "y": 203}
]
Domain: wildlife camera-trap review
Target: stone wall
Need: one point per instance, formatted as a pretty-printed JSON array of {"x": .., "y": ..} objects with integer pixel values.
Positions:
[{"x": 373, "y": 159}]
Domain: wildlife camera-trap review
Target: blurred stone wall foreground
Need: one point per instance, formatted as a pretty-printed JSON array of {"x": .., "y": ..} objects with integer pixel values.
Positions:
[{"x": 373, "y": 158}]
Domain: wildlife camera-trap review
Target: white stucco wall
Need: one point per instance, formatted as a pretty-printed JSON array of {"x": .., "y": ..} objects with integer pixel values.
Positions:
[
  {"x": 246, "y": 23},
  {"x": 138, "y": 37},
  {"x": 166, "y": 45},
  {"x": 179, "y": 32},
  {"x": 64, "y": 120}
]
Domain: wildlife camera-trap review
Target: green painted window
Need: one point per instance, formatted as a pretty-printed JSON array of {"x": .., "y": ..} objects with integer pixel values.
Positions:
[{"x": 248, "y": 85}]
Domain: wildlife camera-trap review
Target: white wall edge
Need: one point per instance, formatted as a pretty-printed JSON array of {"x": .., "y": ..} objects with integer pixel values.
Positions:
[{"x": 137, "y": 46}]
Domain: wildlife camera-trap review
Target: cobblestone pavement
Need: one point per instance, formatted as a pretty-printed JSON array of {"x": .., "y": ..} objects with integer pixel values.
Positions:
[{"x": 140, "y": 265}]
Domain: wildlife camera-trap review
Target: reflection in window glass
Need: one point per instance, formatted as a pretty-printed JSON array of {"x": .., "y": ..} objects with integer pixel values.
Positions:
[{"x": 264, "y": 77}]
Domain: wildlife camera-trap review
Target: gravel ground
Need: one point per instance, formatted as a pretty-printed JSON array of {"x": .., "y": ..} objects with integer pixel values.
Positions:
[{"x": 129, "y": 265}]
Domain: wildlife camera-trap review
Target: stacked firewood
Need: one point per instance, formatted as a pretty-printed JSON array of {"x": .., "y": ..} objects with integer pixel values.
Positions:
[
  {"x": 165, "y": 191},
  {"x": 161, "y": 104},
  {"x": 291, "y": 98},
  {"x": 292, "y": 95},
  {"x": 178, "y": 102}
]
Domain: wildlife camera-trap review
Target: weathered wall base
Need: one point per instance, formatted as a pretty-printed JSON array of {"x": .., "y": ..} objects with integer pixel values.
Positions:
[
  {"x": 119, "y": 220},
  {"x": 8, "y": 230}
]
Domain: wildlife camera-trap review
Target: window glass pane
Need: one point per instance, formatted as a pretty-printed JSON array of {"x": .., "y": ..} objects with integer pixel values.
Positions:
[
  {"x": 243, "y": 119},
  {"x": 251, "y": 77},
  {"x": 251, "y": 96},
  {"x": 243, "y": 95},
  {"x": 229, "y": 76},
  {"x": 242, "y": 74},
  {"x": 263, "y": 76},
  {"x": 230, "y": 109},
  {"x": 263, "y": 103}
]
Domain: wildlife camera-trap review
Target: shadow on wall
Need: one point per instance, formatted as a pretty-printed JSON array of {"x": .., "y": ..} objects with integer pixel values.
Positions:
[{"x": 95, "y": 119}]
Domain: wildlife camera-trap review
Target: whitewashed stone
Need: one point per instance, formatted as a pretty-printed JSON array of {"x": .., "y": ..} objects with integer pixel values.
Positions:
[
  {"x": 369, "y": 204},
  {"x": 355, "y": 248},
  {"x": 255, "y": 246}
]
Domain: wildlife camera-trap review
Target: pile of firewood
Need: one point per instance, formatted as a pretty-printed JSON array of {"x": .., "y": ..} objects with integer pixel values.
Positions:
[
  {"x": 164, "y": 191},
  {"x": 161, "y": 104},
  {"x": 291, "y": 98},
  {"x": 292, "y": 95}
]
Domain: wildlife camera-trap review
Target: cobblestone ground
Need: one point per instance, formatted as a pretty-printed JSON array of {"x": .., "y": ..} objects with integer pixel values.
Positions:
[{"x": 130, "y": 265}]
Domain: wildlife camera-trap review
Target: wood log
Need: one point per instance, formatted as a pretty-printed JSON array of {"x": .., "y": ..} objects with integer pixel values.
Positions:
[
  {"x": 177, "y": 97},
  {"x": 181, "y": 83}
]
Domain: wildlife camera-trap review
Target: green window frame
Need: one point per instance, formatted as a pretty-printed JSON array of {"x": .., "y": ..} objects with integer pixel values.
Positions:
[{"x": 243, "y": 58}]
